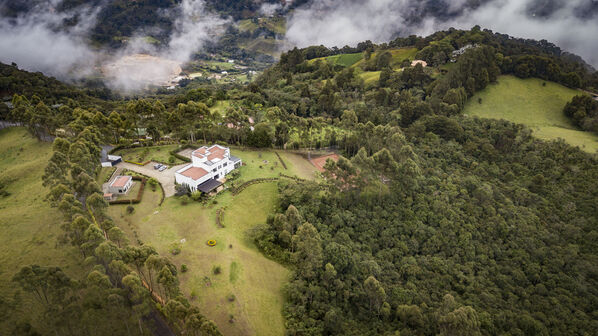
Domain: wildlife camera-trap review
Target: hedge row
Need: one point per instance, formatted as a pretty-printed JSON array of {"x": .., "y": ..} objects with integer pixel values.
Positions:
[
  {"x": 137, "y": 163},
  {"x": 163, "y": 194},
  {"x": 242, "y": 187},
  {"x": 298, "y": 179},
  {"x": 281, "y": 161},
  {"x": 176, "y": 154},
  {"x": 139, "y": 193}
]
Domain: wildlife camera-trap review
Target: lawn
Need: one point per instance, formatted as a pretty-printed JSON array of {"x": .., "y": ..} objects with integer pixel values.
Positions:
[
  {"x": 266, "y": 164},
  {"x": 154, "y": 153},
  {"x": 528, "y": 102},
  {"x": 132, "y": 193},
  {"x": 255, "y": 281},
  {"x": 30, "y": 227}
]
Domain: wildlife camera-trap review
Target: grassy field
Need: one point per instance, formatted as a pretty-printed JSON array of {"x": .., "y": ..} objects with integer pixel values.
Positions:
[
  {"x": 370, "y": 77},
  {"x": 155, "y": 153},
  {"x": 255, "y": 281},
  {"x": 29, "y": 225},
  {"x": 270, "y": 164},
  {"x": 220, "y": 107},
  {"x": 398, "y": 56},
  {"x": 530, "y": 103},
  {"x": 345, "y": 60}
]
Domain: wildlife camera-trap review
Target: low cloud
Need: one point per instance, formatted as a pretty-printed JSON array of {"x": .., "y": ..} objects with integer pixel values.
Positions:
[
  {"x": 37, "y": 43},
  {"x": 571, "y": 24},
  {"x": 141, "y": 64}
]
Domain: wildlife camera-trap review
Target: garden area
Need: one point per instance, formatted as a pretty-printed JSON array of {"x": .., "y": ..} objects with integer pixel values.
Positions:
[{"x": 154, "y": 153}]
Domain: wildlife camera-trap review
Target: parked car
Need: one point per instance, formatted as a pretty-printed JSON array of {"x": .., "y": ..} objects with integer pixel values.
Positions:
[
  {"x": 163, "y": 168},
  {"x": 157, "y": 166}
]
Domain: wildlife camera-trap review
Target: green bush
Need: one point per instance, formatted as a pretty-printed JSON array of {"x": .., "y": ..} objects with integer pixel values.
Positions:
[{"x": 184, "y": 268}]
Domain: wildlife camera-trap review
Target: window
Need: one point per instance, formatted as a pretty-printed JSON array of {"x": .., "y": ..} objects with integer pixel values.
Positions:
[
  {"x": 224, "y": 165},
  {"x": 214, "y": 170}
]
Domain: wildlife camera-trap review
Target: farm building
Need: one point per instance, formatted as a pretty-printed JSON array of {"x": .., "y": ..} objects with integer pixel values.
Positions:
[
  {"x": 120, "y": 185},
  {"x": 208, "y": 167}
]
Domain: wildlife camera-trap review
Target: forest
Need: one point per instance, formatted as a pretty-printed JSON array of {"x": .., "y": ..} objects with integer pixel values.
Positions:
[{"x": 431, "y": 223}]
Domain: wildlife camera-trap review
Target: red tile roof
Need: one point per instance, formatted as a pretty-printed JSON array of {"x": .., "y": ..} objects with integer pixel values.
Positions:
[
  {"x": 216, "y": 153},
  {"x": 194, "y": 173},
  {"x": 120, "y": 181}
]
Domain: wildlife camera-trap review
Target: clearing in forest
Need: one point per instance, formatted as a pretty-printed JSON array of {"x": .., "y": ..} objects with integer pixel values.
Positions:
[
  {"x": 538, "y": 106},
  {"x": 232, "y": 280}
]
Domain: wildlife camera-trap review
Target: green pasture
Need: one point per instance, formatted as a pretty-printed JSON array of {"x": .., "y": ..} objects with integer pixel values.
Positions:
[{"x": 535, "y": 103}]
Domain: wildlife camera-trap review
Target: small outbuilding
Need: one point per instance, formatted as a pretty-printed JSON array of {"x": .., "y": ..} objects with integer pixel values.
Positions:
[
  {"x": 120, "y": 185},
  {"x": 422, "y": 62}
]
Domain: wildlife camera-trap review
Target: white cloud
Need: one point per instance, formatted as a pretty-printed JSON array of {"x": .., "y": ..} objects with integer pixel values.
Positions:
[{"x": 339, "y": 23}]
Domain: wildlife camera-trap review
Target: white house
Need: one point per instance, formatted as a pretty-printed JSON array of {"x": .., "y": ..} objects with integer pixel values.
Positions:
[
  {"x": 120, "y": 185},
  {"x": 208, "y": 166}
]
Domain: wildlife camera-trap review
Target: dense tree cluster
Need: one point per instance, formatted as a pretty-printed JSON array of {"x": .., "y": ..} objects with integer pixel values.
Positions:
[
  {"x": 483, "y": 230},
  {"x": 583, "y": 111}
]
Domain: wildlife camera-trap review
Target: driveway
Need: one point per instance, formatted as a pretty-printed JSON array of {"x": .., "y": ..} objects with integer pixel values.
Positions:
[{"x": 166, "y": 178}]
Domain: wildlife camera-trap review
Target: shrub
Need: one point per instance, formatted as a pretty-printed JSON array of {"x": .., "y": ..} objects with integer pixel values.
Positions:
[
  {"x": 185, "y": 200},
  {"x": 153, "y": 183},
  {"x": 171, "y": 159},
  {"x": 181, "y": 189},
  {"x": 231, "y": 297},
  {"x": 216, "y": 270},
  {"x": 184, "y": 268},
  {"x": 130, "y": 209},
  {"x": 196, "y": 196}
]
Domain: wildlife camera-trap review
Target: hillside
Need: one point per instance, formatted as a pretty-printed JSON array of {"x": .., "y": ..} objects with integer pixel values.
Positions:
[
  {"x": 30, "y": 230},
  {"x": 535, "y": 103},
  {"x": 430, "y": 220}
]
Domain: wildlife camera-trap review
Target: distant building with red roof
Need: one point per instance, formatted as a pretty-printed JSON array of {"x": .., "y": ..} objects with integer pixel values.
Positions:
[{"x": 208, "y": 166}]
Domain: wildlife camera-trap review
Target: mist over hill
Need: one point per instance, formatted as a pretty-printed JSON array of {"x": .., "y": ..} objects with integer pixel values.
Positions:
[{"x": 68, "y": 38}]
